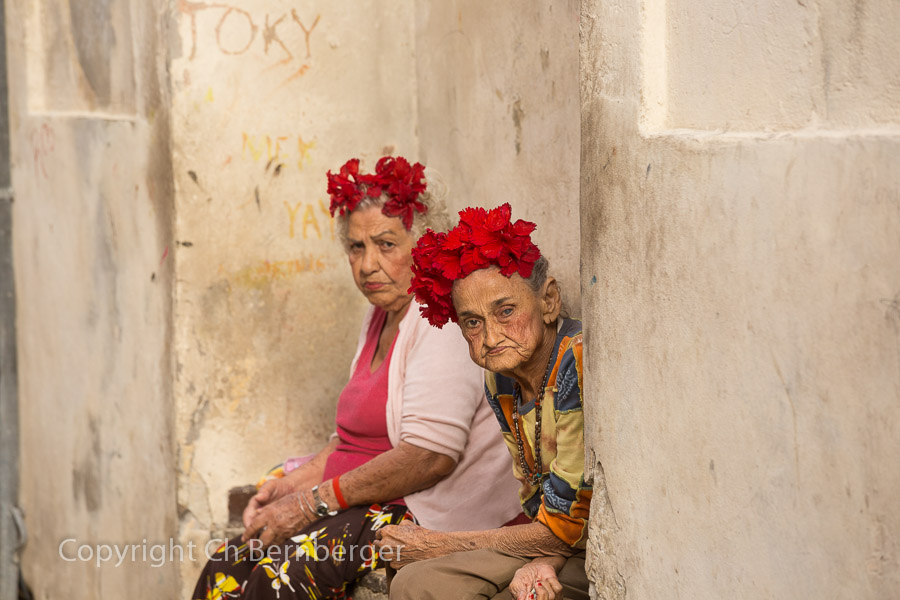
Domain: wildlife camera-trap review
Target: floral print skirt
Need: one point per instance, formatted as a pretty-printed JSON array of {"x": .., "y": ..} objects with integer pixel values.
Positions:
[{"x": 320, "y": 562}]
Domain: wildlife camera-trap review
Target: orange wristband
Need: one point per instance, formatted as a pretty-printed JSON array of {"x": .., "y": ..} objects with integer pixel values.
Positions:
[{"x": 337, "y": 493}]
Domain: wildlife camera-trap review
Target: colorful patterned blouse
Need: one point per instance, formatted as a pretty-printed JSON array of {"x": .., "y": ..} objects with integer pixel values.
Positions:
[{"x": 563, "y": 499}]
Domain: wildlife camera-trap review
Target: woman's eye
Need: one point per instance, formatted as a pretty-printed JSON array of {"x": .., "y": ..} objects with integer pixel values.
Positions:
[
  {"x": 506, "y": 311},
  {"x": 472, "y": 323},
  {"x": 387, "y": 244}
]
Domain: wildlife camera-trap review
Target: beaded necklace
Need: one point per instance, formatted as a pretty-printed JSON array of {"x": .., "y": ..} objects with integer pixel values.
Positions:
[{"x": 536, "y": 476}]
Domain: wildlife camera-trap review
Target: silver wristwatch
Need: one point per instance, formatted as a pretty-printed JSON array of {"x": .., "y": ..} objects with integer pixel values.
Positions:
[{"x": 321, "y": 506}]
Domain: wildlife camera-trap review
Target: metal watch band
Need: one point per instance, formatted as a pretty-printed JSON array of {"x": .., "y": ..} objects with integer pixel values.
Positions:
[{"x": 321, "y": 506}]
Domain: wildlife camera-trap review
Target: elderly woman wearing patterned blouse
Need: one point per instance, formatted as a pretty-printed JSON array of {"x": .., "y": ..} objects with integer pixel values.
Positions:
[
  {"x": 414, "y": 436},
  {"x": 488, "y": 276}
]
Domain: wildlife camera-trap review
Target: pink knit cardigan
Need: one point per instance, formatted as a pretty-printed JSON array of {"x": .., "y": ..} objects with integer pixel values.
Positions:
[{"x": 436, "y": 401}]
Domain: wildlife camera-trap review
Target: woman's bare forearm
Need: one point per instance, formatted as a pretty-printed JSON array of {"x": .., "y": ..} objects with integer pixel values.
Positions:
[
  {"x": 391, "y": 475},
  {"x": 527, "y": 541},
  {"x": 309, "y": 474}
]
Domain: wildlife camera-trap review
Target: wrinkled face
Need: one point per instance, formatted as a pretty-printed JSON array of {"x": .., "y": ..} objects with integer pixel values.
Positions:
[
  {"x": 380, "y": 252},
  {"x": 500, "y": 317}
]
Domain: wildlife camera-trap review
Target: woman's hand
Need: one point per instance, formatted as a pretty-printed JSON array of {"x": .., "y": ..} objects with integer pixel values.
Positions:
[
  {"x": 407, "y": 542},
  {"x": 305, "y": 476},
  {"x": 268, "y": 493},
  {"x": 538, "y": 575},
  {"x": 279, "y": 520}
]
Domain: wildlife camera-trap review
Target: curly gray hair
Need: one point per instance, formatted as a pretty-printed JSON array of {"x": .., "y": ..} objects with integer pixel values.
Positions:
[
  {"x": 538, "y": 278},
  {"x": 434, "y": 197},
  {"x": 539, "y": 274}
]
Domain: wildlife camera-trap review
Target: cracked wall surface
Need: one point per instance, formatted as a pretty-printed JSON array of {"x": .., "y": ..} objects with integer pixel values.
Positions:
[{"x": 740, "y": 240}]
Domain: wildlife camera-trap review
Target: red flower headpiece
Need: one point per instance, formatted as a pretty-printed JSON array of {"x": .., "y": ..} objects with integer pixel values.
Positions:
[
  {"x": 482, "y": 239},
  {"x": 394, "y": 177}
]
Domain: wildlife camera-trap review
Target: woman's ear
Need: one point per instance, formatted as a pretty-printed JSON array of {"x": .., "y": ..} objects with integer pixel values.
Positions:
[{"x": 551, "y": 303}]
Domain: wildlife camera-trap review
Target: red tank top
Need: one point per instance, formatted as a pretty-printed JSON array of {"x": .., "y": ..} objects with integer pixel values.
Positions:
[{"x": 361, "y": 409}]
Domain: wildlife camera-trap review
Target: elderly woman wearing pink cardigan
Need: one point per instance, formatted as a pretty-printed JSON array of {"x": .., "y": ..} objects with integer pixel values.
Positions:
[{"x": 415, "y": 438}]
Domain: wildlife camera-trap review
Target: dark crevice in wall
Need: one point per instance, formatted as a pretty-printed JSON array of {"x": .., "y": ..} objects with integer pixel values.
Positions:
[{"x": 9, "y": 414}]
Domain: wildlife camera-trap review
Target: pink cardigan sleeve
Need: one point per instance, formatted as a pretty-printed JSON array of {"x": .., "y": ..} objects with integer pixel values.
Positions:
[
  {"x": 436, "y": 401},
  {"x": 442, "y": 390}
]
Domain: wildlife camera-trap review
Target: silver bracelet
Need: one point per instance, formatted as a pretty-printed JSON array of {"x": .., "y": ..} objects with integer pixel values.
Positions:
[{"x": 304, "y": 504}]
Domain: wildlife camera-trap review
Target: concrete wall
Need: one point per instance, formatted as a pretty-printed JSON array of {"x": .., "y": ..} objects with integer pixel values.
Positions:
[
  {"x": 741, "y": 227},
  {"x": 499, "y": 116},
  {"x": 91, "y": 221}
]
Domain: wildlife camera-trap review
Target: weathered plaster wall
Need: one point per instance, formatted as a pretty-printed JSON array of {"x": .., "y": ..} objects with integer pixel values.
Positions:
[
  {"x": 92, "y": 218},
  {"x": 742, "y": 297},
  {"x": 499, "y": 115},
  {"x": 266, "y": 311},
  {"x": 267, "y": 98},
  {"x": 788, "y": 65}
]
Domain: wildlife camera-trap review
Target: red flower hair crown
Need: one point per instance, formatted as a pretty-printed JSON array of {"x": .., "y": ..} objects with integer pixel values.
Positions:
[
  {"x": 483, "y": 238},
  {"x": 394, "y": 177}
]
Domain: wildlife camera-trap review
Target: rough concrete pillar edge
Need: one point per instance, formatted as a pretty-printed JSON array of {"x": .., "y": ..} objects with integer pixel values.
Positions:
[
  {"x": 170, "y": 43},
  {"x": 606, "y": 580},
  {"x": 9, "y": 414},
  {"x": 9, "y": 410}
]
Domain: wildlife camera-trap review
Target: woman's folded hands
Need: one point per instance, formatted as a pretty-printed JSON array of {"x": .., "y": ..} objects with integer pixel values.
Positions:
[
  {"x": 270, "y": 492},
  {"x": 276, "y": 521},
  {"x": 538, "y": 579}
]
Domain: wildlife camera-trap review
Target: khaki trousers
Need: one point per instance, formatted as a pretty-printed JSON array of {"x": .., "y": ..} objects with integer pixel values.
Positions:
[{"x": 480, "y": 574}]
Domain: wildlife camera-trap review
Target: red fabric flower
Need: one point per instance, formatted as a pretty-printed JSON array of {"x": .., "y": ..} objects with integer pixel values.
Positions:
[
  {"x": 429, "y": 284},
  {"x": 482, "y": 238},
  {"x": 404, "y": 184},
  {"x": 347, "y": 188},
  {"x": 394, "y": 177}
]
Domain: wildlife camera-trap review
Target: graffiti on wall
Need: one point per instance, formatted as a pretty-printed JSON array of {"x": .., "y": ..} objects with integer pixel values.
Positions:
[
  {"x": 262, "y": 273},
  {"x": 276, "y": 148},
  {"x": 237, "y": 32},
  {"x": 306, "y": 222}
]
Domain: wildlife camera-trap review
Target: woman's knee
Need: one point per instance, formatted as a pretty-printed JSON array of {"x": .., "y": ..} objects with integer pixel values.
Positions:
[
  {"x": 476, "y": 574},
  {"x": 407, "y": 583}
]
